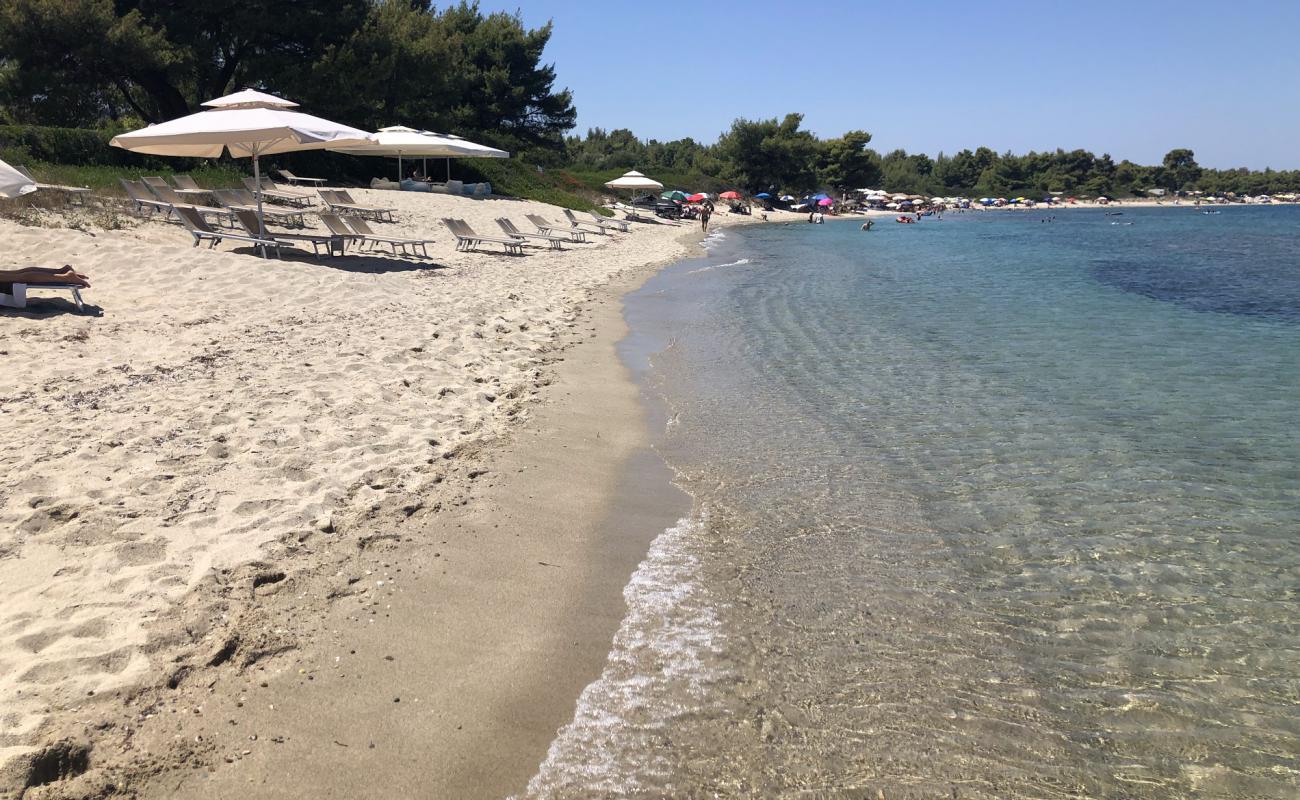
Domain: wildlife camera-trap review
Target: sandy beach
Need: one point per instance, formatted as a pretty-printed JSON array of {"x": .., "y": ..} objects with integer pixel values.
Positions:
[{"x": 239, "y": 481}]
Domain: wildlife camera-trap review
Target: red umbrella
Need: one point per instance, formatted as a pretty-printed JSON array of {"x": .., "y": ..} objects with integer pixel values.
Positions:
[
  {"x": 695, "y": 198},
  {"x": 730, "y": 195},
  {"x": 825, "y": 201}
]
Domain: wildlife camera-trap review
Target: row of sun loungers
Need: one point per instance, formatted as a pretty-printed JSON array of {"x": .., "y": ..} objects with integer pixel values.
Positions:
[{"x": 346, "y": 220}]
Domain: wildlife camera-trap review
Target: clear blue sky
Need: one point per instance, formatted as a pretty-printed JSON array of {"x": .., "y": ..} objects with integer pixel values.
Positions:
[{"x": 1134, "y": 79}]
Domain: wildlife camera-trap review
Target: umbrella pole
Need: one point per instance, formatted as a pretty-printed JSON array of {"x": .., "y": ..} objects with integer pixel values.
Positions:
[
  {"x": 449, "y": 169},
  {"x": 257, "y": 179},
  {"x": 399, "y": 167}
]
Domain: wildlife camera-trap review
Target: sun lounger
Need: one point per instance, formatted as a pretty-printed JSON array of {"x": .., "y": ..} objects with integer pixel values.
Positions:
[
  {"x": 295, "y": 180},
  {"x": 239, "y": 200},
  {"x": 617, "y": 223},
  {"x": 142, "y": 200},
  {"x": 357, "y": 228},
  {"x": 187, "y": 195},
  {"x": 78, "y": 193},
  {"x": 167, "y": 194},
  {"x": 201, "y": 231},
  {"x": 599, "y": 227},
  {"x": 510, "y": 230},
  {"x": 185, "y": 186},
  {"x": 277, "y": 195},
  {"x": 331, "y": 243},
  {"x": 574, "y": 233},
  {"x": 341, "y": 201},
  {"x": 14, "y": 295},
  {"x": 467, "y": 239}
]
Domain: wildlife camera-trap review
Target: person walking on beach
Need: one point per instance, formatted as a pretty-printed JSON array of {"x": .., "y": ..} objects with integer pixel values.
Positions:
[{"x": 705, "y": 213}]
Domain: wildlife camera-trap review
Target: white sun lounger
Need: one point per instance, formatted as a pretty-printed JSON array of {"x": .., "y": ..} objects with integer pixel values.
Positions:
[
  {"x": 574, "y": 233},
  {"x": 358, "y": 229},
  {"x": 467, "y": 239},
  {"x": 201, "y": 231},
  {"x": 331, "y": 243},
  {"x": 295, "y": 180},
  {"x": 16, "y": 297},
  {"x": 599, "y": 227},
  {"x": 555, "y": 242},
  {"x": 78, "y": 193},
  {"x": 616, "y": 223}
]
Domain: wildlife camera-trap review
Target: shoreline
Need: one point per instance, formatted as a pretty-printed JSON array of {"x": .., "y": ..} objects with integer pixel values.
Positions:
[
  {"x": 538, "y": 594},
  {"x": 293, "y": 647}
]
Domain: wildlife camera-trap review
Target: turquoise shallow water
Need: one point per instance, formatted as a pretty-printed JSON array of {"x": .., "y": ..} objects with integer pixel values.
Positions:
[{"x": 985, "y": 507}]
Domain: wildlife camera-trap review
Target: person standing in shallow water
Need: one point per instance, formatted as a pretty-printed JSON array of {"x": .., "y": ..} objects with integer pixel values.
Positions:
[{"x": 705, "y": 213}]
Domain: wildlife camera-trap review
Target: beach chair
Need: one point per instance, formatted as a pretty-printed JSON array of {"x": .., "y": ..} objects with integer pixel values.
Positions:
[
  {"x": 248, "y": 219},
  {"x": 200, "y": 230},
  {"x": 617, "y": 223},
  {"x": 275, "y": 195},
  {"x": 599, "y": 227},
  {"x": 167, "y": 194},
  {"x": 467, "y": 239},
  {"x": 341, "y": 201},
  {"x": 14, "y": 295},
  {"x": 360, "y": 229},
  {"x": 186, "y": 187},
  {"x": 142, "y": 199},
  {"x": 574, "y": 233},
  {"x": 77, "y": 193},
  {"x": 510, "y": 230},
  {"x": 294, "y": 180},
  {"x": 240, "y": 200}
]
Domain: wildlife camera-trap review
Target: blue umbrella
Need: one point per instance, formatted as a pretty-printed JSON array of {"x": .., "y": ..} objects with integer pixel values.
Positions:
[
  {"x": 821, "y": 197},
  {"x": 762, "y": 195}
]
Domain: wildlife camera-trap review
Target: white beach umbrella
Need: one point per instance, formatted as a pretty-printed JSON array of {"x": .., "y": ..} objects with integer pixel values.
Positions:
[
  {"x": 244, "y": 124},
  {"x": 401, "y": 141},
  {"x": 13, "y": 183},
  {"x": 633, "y": 181}
]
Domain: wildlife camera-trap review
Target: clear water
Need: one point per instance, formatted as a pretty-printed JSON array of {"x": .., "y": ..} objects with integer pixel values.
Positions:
[{"x": 985, "y": 507}]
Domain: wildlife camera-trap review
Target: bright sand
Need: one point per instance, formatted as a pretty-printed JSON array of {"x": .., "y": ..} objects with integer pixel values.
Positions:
[{"x": 244, "y": 468}]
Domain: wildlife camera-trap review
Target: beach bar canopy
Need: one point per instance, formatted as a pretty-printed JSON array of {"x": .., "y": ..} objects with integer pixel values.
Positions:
[
  {"x": 402, "y": 142},
  {"x": 246, "y": 124},
  {"x": 13, "y": 183}
]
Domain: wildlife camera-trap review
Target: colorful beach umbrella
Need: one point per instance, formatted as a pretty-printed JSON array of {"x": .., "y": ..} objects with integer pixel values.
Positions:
[
  {"x": 730, "y": 196},
  {"x": 825, "y": 201},
  {"x": 699, "y": 197},
  {"x": 675, "y": 194},
  {"x": 785, "y": 198},
  {"x": 763, "y": 196}
]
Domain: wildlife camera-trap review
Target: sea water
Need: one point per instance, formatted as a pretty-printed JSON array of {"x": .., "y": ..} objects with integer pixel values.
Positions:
[{"x": 1000, "y": 505}]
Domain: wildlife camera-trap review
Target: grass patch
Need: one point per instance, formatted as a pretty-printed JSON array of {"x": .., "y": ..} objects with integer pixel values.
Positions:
[{"x": 103, "y": 179}]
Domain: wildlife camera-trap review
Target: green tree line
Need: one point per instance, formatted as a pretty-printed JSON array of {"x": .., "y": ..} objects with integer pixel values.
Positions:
[
  {"x": 118, "y": 63},
  {"x": 778, "y": 155},
  {"x": 110, "y": 65}
]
